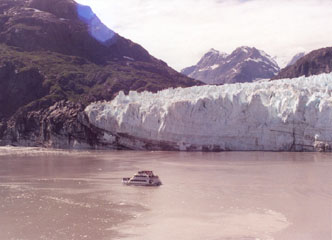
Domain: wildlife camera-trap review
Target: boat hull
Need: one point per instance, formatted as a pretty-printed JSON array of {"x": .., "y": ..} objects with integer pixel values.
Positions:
[
  {"x": 126, "y": 181},
  {"x": 142, "y": 178}
]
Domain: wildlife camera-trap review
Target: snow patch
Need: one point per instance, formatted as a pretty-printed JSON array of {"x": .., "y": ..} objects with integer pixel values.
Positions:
[
  {"x": 33, "y": 9},
  {"x": 204, "y": 69},
  {"x": 214, "y": 51},
  {"x": 129, "y": 58},
  {"x": 214, "y": 66},
  {"x": 254, "y": 60},
  {"x": 244, "y": 49}
]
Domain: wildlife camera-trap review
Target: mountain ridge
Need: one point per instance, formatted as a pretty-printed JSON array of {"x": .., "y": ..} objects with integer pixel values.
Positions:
[
  {"x": 314, "y": 63},
  {"x": 244, "y": 64},
  {"x": 54, "y": 62}
]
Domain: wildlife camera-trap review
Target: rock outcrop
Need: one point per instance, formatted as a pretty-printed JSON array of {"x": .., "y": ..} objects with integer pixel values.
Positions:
[{"x": 63, "y": 125}]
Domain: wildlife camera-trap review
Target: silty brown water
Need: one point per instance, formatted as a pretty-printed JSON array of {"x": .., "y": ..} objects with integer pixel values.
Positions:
[{"x": 49, "y": 194}]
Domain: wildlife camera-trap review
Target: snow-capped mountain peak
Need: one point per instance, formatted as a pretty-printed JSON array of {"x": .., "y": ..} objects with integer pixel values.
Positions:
[
  {"x": 244, "y": 49},
  {"x": 213, "y": 51},
  {"x": 244, "y": 64}
]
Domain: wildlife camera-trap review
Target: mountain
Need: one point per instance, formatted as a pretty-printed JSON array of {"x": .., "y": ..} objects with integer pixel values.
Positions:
[
  {"x": 65, "y": 27},
  {"x": 285, "y": 115},
  {"x": 56, "y": 58},
  {"x": 295, "y": 58},
  {"x": 244, "y": 64},
  {"x": 314, "y": 63}
]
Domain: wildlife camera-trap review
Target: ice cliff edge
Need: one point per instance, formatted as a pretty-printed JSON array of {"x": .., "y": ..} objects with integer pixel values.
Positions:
[{"x": 284, "y": 115}]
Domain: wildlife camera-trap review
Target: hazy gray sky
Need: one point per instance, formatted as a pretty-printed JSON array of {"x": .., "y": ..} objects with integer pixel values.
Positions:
[{"x": 181, "y": 31}]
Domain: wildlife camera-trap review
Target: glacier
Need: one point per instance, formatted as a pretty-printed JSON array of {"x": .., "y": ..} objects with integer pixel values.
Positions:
[{"x": 283, "y": 115}]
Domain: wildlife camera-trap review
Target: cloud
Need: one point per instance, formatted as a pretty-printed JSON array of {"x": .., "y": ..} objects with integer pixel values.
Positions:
[{"x": 179, "y": 32}]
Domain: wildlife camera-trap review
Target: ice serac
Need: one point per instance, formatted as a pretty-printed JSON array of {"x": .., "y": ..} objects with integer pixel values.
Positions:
[{"x": 284, "y": 115}]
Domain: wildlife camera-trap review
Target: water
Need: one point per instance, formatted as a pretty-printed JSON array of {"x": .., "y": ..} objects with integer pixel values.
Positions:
[{"x": 49, "y": 194}]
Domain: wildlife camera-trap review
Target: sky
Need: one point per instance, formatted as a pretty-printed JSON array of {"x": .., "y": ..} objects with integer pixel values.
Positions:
[{"x": 180, "y": 31}]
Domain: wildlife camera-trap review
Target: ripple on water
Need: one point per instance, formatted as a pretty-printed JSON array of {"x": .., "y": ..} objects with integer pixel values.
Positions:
[{"x": 232, "y": 224}]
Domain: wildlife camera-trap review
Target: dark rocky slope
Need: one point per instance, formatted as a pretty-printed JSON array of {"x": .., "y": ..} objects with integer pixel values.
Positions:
[
  {"x": 314, "y": 63},
  {"x": 65, "y": 27},
  {"x": 57, "y": 57}
]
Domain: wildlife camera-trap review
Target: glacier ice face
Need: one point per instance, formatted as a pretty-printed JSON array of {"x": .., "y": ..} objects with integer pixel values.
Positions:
[{"x": 283, "y": 115}]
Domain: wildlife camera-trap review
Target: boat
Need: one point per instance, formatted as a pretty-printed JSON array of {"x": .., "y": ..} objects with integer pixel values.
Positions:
[{"x": 143, "y": 178}]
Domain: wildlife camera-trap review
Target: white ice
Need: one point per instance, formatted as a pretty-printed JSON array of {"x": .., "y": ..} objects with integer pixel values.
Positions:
[{"x": 282, "y": 115}]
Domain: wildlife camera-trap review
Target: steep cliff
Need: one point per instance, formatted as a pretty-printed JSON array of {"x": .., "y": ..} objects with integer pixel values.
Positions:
[{"x": 284, "y": 115}]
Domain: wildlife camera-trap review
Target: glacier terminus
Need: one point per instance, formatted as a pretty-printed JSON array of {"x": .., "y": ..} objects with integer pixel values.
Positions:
[{"x": 282, "y": 115}]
